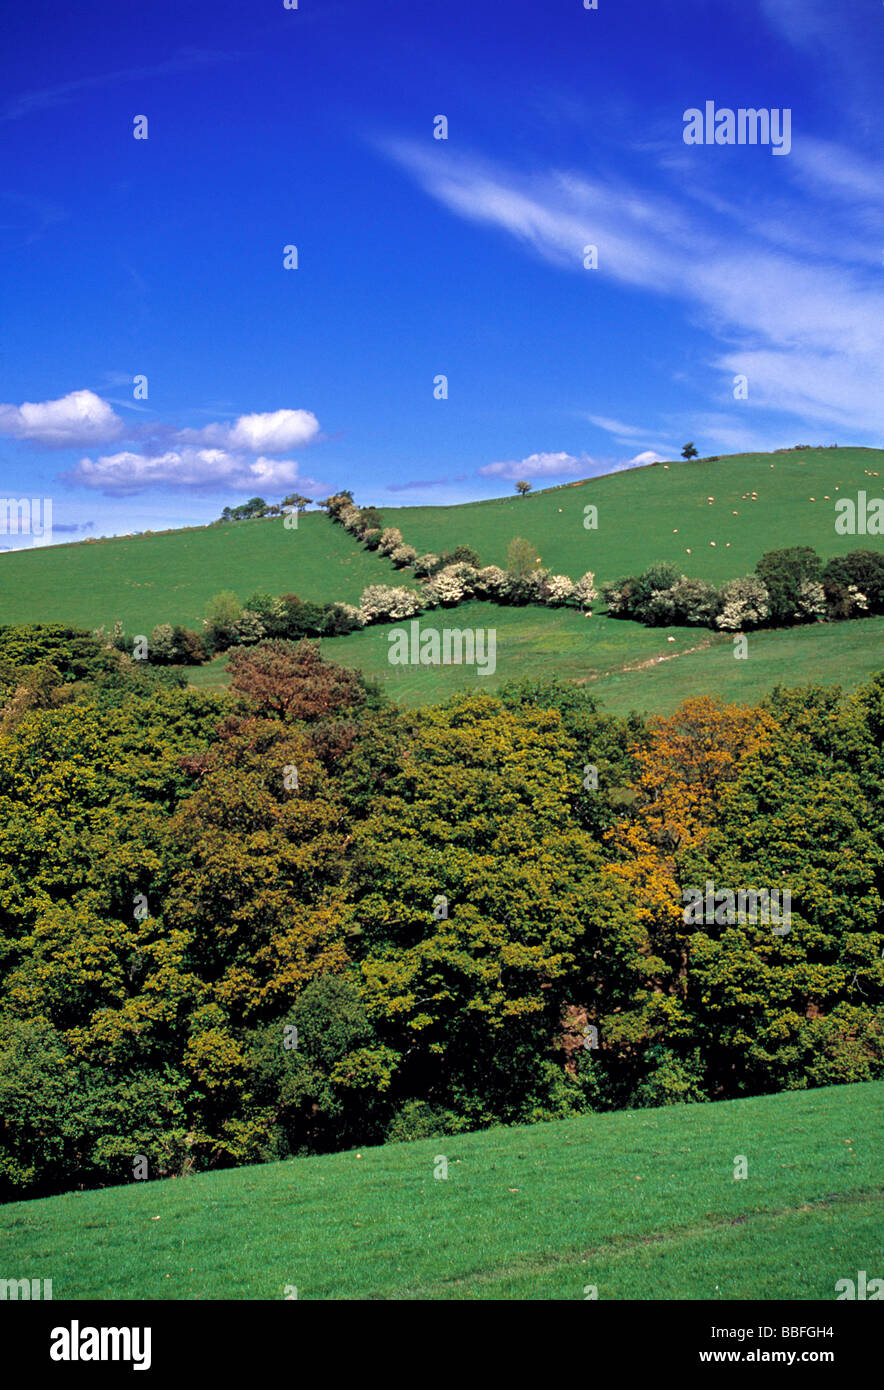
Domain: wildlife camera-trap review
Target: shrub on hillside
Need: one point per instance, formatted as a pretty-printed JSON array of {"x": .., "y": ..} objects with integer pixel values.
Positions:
[
  {"x": 744, "y": 604},
  {"x": 782, "y": 572},
  {"x": 638, "y": 596},
  {"x": 249, "y": 627},
  {"x": 490, "y": 582},
  {"x": 341, "y": 618},
  {"x": 451, "y": 585},
  {"x": 585, "y": 591},
  {"x": 223, "y": 612},
  {"x": 521, "y": 557},
  {"x": 161, "y": 645},
  {"x": 558, "y": 589},
  {"x": 811, "y": 605},
  {"x": 272, "y": 612},
  {"x": 425, "y": 564},
  {"x": 519, "y": 589},
  {"x": 862, "y": 570},
  {"x": 403, "y": 555},
  {"x": 460, "y": 555},
  {"x": 291, "y": 681},
  {"x": 688, "y": 601},
  {"x": 390, "y": 539},
  {"x": 381, "y": 603}
]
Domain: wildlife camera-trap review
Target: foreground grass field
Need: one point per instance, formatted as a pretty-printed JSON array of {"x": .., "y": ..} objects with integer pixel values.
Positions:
[
  {"x": 642, "y": 1204},
  {"x": 628, "y": 667},
  {"x": 662, "y": 512}
]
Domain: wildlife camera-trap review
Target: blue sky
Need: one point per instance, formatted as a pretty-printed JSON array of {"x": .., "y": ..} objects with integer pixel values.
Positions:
[{"x": 417, "y": 257}]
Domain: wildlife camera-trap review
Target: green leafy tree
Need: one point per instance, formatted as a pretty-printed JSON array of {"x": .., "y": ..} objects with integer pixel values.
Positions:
[{"x": 783, "y": 573}]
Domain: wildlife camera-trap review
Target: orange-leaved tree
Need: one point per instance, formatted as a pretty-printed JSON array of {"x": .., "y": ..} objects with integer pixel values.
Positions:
[{"x": 687, "y": 761}]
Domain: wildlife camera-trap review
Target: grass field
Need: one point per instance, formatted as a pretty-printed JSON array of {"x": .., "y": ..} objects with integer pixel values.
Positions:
[
  {"x": 642, "y": 1204},
  {"x": 661, "y": 512},
  {"x": 627, "y": 666},
  {"x": 169, "y": 578}
]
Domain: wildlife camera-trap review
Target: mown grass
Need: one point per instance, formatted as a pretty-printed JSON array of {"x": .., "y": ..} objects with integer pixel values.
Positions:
[{"x": 642, "y": 1204}]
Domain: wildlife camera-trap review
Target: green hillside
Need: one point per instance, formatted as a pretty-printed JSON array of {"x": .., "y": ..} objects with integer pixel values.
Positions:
[
  {"x": 663, "y": 511},
  {"x": 641, "y": 1204},
  {"x": 144, "y": 580},
  {"x": 629, "y": 667},
  {"x": 645, "y": 514}
]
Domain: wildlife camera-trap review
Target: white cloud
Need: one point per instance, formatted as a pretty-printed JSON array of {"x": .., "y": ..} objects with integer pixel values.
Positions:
[
  {"x": 80, "y": 418},
  {"x": 208, "y": 469},
  {"x": 537, "y": 466},
  {"x": 252, "y": 434},
  {"x": 563, "y": 465},
  {"x": 611, "y": 426}
]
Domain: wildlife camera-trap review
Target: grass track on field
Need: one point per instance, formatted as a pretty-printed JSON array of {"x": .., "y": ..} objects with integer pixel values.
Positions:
[
  {"x": 561, "y": 642},
  {"x": 642, "y": 1204}
]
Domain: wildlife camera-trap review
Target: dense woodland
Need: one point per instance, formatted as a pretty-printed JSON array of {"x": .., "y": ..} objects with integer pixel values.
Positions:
[{"x": 292, "y": 918}]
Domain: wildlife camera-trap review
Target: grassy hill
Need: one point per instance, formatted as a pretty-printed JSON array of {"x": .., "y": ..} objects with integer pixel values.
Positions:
[
  {"x": 170, "y": 577},
  {"x": 642, "y": 1204},
  {"x": 646, "y": 514},
  {"x": 663, "y": 511}
]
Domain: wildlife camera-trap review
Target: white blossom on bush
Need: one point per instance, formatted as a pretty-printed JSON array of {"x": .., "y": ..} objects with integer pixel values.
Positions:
[
  {"x": 490, "y": 581},
  {"x": 403, "y": 555},
  {"x": 424, "y": 563},
  {"x": 248, "y": 627},
  {"x": 858, "y": 600},
  {"x": 383, "y": 603},
  {"x": 391, "y": 537},
  {"x": 811, "y": 600},
  {"x": 525, "y": 588},
  {"x": 558, "y": 589},
  {"x": 451, "y": 585},
  {"x": 161, "y": 644},
  {"x": 746, "y": 603}
]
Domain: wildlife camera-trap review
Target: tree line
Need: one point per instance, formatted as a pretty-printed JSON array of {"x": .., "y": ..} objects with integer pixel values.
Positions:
[{"x": 291, "y": 917}]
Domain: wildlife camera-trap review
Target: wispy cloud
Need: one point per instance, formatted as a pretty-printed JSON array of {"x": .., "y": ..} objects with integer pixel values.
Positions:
[
  {"x": 45, "y": 98},
  {"x": 807, "y": 330},
  {"x": 418, "y": 483}
]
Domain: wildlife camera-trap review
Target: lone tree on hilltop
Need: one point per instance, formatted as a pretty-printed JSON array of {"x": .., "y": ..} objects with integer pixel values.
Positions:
[
  {"x": 689, "y": 452},
  {"x": 522, "y": 487}
]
